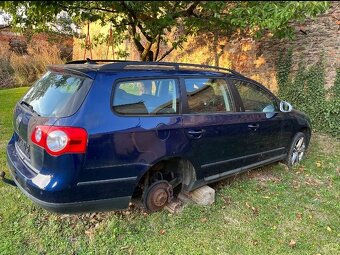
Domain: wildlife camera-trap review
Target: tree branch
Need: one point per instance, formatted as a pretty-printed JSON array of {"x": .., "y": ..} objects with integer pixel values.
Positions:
[
  {"x": 190, "y": 10},
  {"x": 187, "y": 12},
  {"x": 139, "y": 46},
  {"x": 166, "y": 53},
  {"x": 158, "y": 39},
  {"x": 134, "y": 16},
  {"x": 146, "y": 52},
  {"x": 84, "y": 8},
  {"x": 174, "y": 45}
]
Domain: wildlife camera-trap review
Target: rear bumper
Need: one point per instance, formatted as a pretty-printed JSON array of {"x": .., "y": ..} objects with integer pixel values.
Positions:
[
  {"x": 78, "y": 207},
  {"x": 17, "y": 167}
]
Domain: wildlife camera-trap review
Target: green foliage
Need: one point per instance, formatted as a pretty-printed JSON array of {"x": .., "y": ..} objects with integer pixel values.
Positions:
[
  {"x": 305, "y": 90},
  {"x": 335, "y": 90},
  {"x": 149, "y": 23}
]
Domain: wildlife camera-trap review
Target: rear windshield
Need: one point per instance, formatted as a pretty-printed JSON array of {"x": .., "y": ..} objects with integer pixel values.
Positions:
[{"x": 57, "y": 94}]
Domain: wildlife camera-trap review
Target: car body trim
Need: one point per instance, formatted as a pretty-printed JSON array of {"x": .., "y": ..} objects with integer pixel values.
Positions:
[
  {"x": 242, "y": 169},
  {"x": 132, "y": 178},
  {"x": 243, "y": 157},
  {"x": 121, "y": 165}
]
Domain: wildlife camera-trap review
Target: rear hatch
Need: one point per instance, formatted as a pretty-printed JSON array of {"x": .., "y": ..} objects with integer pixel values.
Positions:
[{"x": 55, "y": 95}]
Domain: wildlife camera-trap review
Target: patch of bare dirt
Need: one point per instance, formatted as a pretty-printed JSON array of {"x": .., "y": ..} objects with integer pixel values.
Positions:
[
  {"x": 264, "y": 176},
  {"x": 313, "y": 182},
  {"x": 328, "y": 145}
]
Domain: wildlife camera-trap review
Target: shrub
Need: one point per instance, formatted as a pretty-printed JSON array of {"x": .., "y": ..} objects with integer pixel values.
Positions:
[
  {"x": 23, "y": 70},
  {"x": 6, "y": 70}
]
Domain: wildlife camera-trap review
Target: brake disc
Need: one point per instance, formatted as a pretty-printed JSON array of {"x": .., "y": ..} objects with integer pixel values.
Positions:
[{"x": 157, "y": 195}]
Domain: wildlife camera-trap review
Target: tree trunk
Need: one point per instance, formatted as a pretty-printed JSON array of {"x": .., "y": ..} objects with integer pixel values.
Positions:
[{"x": 215, "y": 49}]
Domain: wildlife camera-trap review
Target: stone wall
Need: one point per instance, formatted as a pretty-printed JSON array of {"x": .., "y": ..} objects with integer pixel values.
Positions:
[{"x": 314, "y": 39}]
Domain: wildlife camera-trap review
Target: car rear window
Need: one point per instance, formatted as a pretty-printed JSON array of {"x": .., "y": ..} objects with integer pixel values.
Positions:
[
  {"x": 146, "y": 97},
  {"x": 57, "y": 94}
]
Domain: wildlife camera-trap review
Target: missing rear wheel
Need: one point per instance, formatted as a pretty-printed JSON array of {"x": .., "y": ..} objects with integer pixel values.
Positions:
[{"x": 157, "y": 195}]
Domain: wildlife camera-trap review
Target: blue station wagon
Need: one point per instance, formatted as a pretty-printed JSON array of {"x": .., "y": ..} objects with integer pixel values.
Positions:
[{"x": 92, "y": 135}]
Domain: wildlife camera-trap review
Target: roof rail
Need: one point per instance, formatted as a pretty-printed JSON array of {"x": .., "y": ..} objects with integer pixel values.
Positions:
[
  {"x": 94, "y": 61},
  {"x": 121, "y": 64}
]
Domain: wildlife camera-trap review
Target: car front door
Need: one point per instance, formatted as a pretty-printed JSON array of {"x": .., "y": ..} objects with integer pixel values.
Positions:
[
  {"x": 261, "y": 116},
  {"x": 213, "y": 128}
]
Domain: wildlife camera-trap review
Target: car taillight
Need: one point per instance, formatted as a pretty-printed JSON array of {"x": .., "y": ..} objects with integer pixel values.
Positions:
[{"x": 60, "y": 140}]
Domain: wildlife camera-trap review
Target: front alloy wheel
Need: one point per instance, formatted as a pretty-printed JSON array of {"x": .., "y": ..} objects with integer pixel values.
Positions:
[{"x": 297, "y": 149}]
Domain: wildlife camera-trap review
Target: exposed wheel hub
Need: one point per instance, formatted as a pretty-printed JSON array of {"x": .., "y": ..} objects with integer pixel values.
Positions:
[{"x": 157, "y": 196}]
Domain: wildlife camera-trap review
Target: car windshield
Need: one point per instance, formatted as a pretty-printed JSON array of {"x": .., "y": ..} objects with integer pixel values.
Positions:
[{"x": 57, "y": 94}]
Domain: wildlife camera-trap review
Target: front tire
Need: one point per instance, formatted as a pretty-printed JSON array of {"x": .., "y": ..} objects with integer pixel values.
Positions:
[{"x": 297, "y": 150}]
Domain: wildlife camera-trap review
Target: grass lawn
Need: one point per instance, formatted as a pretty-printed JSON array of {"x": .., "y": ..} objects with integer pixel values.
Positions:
[{"x": 271, "y": 210}]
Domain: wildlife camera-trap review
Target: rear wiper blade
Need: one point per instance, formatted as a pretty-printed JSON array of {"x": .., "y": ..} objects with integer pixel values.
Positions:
[{"x": 29, "y": 106}]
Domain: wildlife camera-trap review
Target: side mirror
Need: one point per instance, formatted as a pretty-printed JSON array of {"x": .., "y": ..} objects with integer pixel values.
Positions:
[{"x": 285, "y": 106}]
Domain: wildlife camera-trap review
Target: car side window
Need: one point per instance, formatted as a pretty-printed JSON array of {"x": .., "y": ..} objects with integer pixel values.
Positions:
[
  {"x": 254, "y": 98},
  {"x": 208, "y": 95},
  {"x": 146, "y": 97}
]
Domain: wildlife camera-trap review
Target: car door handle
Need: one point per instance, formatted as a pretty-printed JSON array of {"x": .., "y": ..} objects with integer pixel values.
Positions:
[
  {"x": 253, "y": 126},
  {"x": 196, "y": 133}
]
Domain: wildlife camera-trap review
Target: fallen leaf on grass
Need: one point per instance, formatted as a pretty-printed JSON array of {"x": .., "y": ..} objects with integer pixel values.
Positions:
[
  {"x": 226, "y": 200},
  {"x": 254, "y": 209},
  {"x": 162, "y": 231},
  {"x": 299, "y": 216},
  {"x": 301, "y": 168},
  {"x": 329, "y": 229},
  {"x": 203, "y": 220},
  {"x": 296, "y": 184},
  {"x": 89, "y": 233},
  {"x": 292, "y": 243},
  {"x": 318, "y": 163}
]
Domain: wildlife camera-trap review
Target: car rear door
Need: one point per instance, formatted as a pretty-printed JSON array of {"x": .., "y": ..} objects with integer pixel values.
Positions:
[{"x": 261, "y": 116}]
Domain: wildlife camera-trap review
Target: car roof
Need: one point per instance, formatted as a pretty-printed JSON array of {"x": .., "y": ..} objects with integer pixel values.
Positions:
[{"x": 90, "y": 67}]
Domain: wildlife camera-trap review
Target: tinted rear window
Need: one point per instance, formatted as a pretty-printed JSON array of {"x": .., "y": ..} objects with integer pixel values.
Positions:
[
  {"x": 146, "y": 97},
  {"x": 57, "y": 94}
]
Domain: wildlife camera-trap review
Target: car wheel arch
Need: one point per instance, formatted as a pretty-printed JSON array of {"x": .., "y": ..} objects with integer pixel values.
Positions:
[
  {"x": 184, "y": 167},
  {"x": 306, "y": 130}
]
